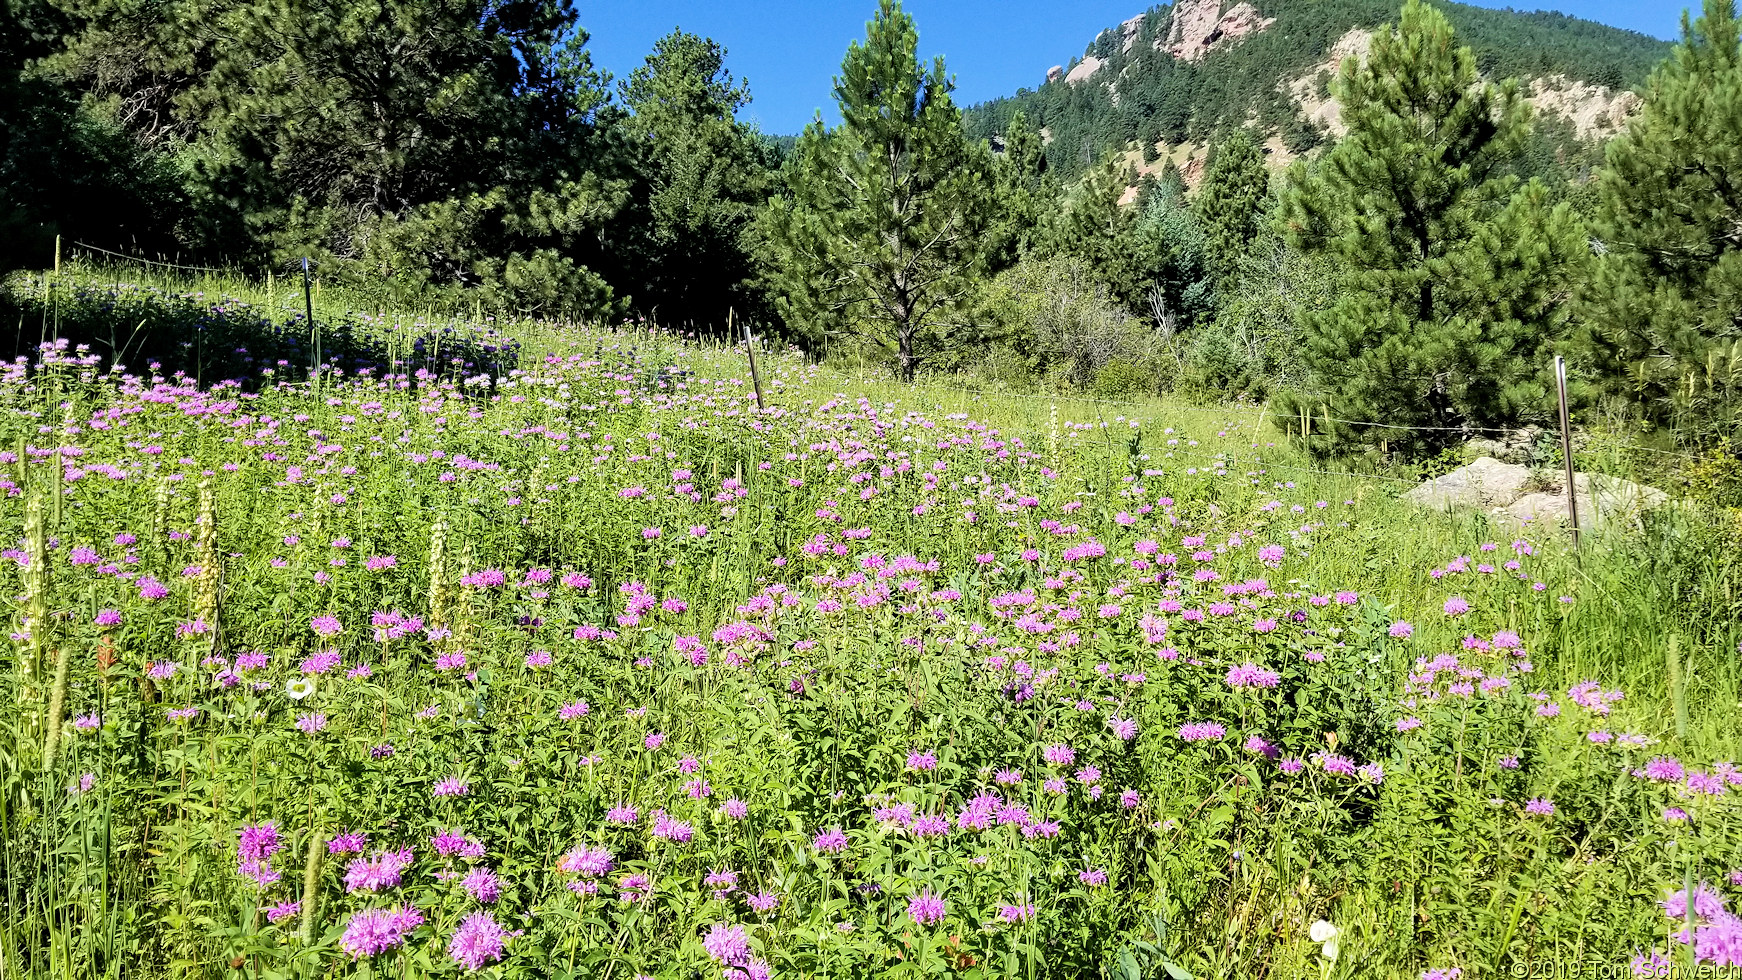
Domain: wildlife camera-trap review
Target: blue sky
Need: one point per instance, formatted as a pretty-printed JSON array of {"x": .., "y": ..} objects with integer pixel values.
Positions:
[{"x": 790, "y": 50}]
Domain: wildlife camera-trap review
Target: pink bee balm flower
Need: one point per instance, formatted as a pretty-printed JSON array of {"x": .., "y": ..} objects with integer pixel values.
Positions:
[
  {"x": 927, "y": 908},
  {"x": 379, "y": 873},
  {"x": 763, "y": 901},
  {"x": 1252, "y": 675},
  {"x": 831, "y": 841},
  {"x": 372, "y": 931},
  {"x": 478, "y": 940},
  {"x": 591, "y": 862},
  {"x": 284, "y": 910},
  {"x": 483, "y": 885},
  {"x": 1015, "y": 914},
  {"x": 1204, "y": 731},
  {"x": 667, "y": 827},
  {"x": 347, "y": 843},
  {"x": 1539, "y": 807},
  {"x": 727, "y": 945}
]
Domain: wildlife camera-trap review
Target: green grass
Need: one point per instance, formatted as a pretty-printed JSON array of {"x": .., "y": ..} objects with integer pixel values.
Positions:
[{"x": 807, "y": 713}]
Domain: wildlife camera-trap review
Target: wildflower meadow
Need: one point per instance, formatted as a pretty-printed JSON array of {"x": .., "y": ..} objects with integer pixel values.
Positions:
[{"x": 559, "y": 657}]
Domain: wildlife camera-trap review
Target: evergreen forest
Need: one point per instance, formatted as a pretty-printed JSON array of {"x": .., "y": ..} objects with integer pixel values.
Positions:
[{"x": 1422, "y": 262}]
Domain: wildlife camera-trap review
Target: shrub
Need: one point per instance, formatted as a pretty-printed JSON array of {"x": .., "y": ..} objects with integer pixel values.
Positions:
[{"x": 1123, "y": 379}]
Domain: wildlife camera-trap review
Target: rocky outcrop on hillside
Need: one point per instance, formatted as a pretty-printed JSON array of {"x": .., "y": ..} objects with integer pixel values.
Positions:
[
  {"x": 1128, "y": 31},
  {"x": 1596, "y": 112},
  {"x": 1084, "y": 70},
  {"x": 1199, "y": 26}
]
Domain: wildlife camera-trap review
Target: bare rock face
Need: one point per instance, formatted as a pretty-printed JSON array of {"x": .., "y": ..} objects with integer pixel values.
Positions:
[
  {"x": 1240, "y": 20},
  {"x": 1602, "y": 500},
  {"x": 1084, "y": 70},
  {"x": 1129, "y": 29},
  {"x": 1193, "y": 22},
  {"x": 1199, "y": 26},
  {"x": 1323, "y": 110},
  {"x": 1055, "y": 73},
  {"x": 1594, "y": 110}
]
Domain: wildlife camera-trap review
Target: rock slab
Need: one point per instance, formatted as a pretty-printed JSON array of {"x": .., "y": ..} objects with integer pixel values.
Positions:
[{"x": 1510, "y": 491}]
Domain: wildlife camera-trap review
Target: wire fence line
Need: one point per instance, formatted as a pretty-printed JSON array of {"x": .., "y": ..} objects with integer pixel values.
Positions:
[
  {"x": 1223, "y": 411},
  {"x": 145, "y": 261}
]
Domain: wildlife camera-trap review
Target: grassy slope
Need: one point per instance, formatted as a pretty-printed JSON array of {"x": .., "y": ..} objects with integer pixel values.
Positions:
[{"x": 1528, "y": 895}]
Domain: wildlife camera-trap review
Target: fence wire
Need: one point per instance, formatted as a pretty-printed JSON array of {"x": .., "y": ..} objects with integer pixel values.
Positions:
[{"x": 1232, "y": 412}]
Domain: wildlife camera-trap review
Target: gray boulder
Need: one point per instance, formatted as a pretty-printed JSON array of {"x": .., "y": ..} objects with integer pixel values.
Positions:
[{"x": 1486, "y": 482}]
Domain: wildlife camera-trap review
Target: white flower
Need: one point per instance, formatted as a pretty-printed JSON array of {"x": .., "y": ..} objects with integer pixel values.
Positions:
[
  {"x": 299, "y": 688},
  {"x": 1322, "y": 932},
  {"x": 1329, "y": 950}
]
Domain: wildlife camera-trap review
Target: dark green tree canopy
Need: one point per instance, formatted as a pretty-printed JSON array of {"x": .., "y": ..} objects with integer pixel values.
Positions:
[
  {"x": 1453, "y": 276},
  {"x": 1233, "y": 200},
  {"x": 699, "y": 176},
  {"x": 1664, "y": 308},
  {"x": 881, "y": 233}
]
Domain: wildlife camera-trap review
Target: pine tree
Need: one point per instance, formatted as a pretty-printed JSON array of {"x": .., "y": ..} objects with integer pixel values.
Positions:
[
  {"x": 1022, "y": 192},
  {"x": 1096, "y": 228},
  {"x": 1176, "y": 289},
  {"x": 880, "y": 235},
  {"x": 700, "y": 174},
  {"x": 1664, "y": 308},
  {"x": 1232, "y": 201},
  {"x": 1452, "y": 274},
  {"x": 412, "y": 147}
]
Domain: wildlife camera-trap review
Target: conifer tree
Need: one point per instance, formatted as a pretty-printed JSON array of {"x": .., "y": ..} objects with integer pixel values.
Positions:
[
  {"x": 1096, "y": 228},
  {"x": 1452, "y": 274},
  {"x": 1664, "y": 309},
  {"x": 881, "y": 232},
  {"x": 1022, "y": 193},
  {"x": 700, "y": 174},
  {"x": 1232, "y": 201}
]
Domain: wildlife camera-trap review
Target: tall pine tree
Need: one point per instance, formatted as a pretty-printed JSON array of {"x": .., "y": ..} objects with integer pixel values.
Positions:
[
  {"x": 700, "y": 174},
  {"x": 1664, "y": 309},
  {"x": 880, "y": 232},
  {"x": 413, "y": 147},
  {"x": 1452, "y": 274},
  {"x": 1232, "y": 201},
  {"x": 1023, "y": 194},
  {"x": 1097, "y": 228}
]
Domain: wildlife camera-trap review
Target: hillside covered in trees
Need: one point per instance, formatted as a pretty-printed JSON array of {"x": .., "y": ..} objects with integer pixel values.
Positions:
[{"x": 1192, "y": 71}]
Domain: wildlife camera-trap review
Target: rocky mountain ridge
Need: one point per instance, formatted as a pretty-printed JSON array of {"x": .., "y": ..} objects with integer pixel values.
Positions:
[{"x": 1182, "y": 74}]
